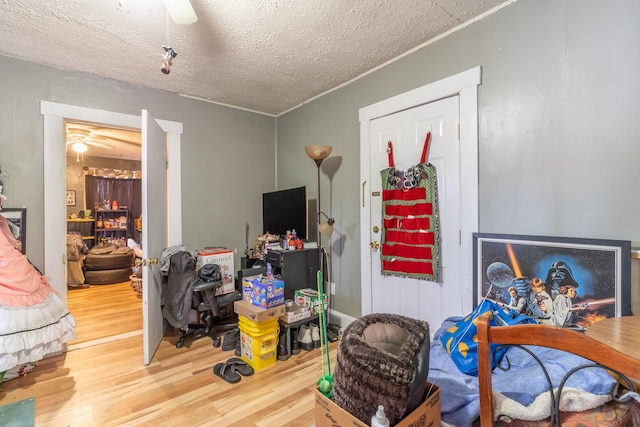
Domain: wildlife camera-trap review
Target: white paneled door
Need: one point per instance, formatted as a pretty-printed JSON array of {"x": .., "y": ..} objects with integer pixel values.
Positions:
[
  {"x": 407, "y": 130},
  {"x": 154, "y": 236}
]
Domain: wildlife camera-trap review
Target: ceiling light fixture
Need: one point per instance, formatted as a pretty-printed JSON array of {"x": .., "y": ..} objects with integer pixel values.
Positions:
[
  {"x": 168, "y": 56},
  {"x": 182, "y": 13},
  {"x": 79, "y": 147},
  {"x": 78, "y": 137}
]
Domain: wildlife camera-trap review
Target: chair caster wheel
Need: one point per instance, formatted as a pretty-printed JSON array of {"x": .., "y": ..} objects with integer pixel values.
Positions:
[
  {"x": 216, "y": 342},
  {"x": 180, "y": 344}
]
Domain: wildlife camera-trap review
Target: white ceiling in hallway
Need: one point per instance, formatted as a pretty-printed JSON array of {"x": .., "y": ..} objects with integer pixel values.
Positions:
[
  {"x": 267, "y": 56},
  {"x": 105, "y": 142}
]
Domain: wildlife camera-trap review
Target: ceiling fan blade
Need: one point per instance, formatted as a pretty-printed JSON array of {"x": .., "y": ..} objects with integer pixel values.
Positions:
[
  {"x": 181, "y": 11},
  {"x": 99, "y": 144},
  {"x": 125, "y": 141}
]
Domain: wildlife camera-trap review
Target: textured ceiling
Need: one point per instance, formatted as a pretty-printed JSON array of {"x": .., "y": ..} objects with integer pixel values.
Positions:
[
  {"x": 262, "y": 55},
  {"x": 267, "y": 56}
]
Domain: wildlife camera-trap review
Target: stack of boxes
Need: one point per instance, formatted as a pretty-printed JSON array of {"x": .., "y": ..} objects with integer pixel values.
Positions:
[{"x": 258, "y": 313}]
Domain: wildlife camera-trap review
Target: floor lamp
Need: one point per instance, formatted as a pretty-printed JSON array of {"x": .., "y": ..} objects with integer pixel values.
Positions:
[{"x": 318, "y": 153}]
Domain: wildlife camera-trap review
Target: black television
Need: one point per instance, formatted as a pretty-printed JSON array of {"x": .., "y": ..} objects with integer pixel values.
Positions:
[{"x": 285, "y": 210}]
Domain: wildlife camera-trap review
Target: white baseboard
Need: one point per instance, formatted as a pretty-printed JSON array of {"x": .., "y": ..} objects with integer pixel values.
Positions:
[{"x": 339, "y": 318}]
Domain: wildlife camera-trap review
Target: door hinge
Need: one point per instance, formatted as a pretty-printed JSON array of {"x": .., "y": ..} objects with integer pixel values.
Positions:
[
  {"x": 460, "y": 237},
  {"x": 458, "y": 131}
]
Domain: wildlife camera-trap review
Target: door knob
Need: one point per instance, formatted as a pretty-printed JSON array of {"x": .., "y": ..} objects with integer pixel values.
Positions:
[
  {"x": 375, "y": 245},
  {"x": 149, "y": 261}
]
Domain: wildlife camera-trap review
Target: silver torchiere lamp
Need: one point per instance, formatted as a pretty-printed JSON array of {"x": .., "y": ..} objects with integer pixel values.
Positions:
[{"x": 318, "y": 153}]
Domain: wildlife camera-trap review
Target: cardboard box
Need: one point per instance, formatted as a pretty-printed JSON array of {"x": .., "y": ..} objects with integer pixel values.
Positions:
[
  {"x": 263, "y": 292},
  {"x": 296, "y": 315},
  {"x": 224, "y": 258},
  {"x": 309, "y": 297},
  {"x": 246, "y": 281},
  {"x": 328, "y": 414},
  {"x": 257, "y": 314}
]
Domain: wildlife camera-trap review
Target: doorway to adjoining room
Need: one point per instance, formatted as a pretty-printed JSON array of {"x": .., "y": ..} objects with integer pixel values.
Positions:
[{"x": 103, "y": 167}]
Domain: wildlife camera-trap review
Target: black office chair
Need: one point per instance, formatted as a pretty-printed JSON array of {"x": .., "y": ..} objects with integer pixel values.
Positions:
[
  {"x": 215, "y": 311},
  {"x": 191, "y": 304},
  {"x": 256, "y": 270}
]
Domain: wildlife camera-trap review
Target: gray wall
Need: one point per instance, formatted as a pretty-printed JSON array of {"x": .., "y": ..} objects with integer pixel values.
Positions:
[
  {"x": 559, "y": 132},
  {"x": 214, "y": 150},
  {"x": 227, "y": 163}
]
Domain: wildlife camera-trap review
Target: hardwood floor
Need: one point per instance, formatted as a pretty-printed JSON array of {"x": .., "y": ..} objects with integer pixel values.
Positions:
[
  {"x": 103, "y": 382},
  {"x": 104, "y": 310}
]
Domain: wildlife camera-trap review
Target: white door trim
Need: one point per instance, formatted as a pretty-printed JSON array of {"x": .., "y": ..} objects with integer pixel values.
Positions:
[
  {"x": 55, "y": 225},
  {"x": 465, "y": 85}
]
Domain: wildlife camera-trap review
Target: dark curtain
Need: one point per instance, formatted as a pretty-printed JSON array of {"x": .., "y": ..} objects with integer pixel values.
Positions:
[{"x": 128, "y": 192}]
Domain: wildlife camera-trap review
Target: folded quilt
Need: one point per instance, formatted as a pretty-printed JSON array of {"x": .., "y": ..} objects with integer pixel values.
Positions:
[{"x": 521, "y": 392}]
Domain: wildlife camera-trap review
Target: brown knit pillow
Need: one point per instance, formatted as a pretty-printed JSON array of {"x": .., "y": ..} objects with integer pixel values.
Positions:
[{"x": 377, "y": 364}]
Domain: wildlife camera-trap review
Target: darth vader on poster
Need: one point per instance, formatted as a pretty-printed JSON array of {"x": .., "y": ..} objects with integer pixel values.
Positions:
[{"x": 568, "y": 282}]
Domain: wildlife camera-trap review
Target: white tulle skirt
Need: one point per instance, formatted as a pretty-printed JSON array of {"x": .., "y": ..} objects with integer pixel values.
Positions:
[{"x": 28, "y": 334}]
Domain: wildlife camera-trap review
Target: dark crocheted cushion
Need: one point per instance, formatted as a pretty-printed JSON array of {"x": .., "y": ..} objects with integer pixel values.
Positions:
[{"x": 378, "y": 365}]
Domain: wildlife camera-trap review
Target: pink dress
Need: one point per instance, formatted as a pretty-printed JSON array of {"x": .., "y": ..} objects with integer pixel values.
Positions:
[{"x": 34, "y": 321}]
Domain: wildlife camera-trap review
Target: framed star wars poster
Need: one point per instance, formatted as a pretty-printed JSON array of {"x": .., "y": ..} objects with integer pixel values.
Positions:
[{"x": 568, "y": 282}]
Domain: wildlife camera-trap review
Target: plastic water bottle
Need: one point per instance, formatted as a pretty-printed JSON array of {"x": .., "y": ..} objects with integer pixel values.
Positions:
[{"x": 380, "y": 419}]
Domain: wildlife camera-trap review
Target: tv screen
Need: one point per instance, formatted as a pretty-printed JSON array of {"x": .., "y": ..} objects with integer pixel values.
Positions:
[{"x": 285, "y": 210}]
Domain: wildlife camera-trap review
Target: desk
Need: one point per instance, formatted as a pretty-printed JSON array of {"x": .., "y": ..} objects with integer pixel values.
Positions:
[
  {"x": 621, "y": 333},
  {"x": 297, "y": 268}
]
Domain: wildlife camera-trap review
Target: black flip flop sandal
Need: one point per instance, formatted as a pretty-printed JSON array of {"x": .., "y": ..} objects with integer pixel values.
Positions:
[
  {"x": 227, "y": 372},
  {"x": 240, "y": 366}
]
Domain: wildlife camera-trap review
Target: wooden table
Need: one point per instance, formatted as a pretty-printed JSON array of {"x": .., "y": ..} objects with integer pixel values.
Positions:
[{"x": 621, "y": 333}]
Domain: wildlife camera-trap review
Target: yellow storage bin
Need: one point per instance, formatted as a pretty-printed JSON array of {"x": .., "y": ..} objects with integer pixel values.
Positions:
[
  {"x": 258, "y": 328},
  {"x": 258, "y": 342},
  {"x": 259, "y": 361},
  {"x": 261, "y": 339}
]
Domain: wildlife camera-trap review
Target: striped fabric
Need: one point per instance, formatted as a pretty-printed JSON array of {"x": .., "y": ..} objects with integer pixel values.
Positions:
[{"x": 410, "y": 223}]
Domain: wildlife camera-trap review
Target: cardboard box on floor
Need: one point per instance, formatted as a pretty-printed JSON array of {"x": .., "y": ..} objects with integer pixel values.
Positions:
[{"x": 328, "y": 414}]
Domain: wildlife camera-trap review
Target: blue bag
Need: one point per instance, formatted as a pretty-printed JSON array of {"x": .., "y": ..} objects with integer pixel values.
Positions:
[{"x": 461, "y": 340}]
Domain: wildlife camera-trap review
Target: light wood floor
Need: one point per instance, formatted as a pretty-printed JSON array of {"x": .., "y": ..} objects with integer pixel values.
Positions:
[
  {"x": 100, "y": 383},
  {"x": 104, "y": 310}
]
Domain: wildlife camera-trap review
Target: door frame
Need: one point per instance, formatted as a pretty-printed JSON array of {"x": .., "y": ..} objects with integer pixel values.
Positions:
[
  {"x": 55, "y": 162},
  {"x": 465, "y": 85}
]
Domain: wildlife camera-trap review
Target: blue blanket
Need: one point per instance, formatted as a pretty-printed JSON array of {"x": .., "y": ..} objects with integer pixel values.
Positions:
[{"x": 523, "y": 383}]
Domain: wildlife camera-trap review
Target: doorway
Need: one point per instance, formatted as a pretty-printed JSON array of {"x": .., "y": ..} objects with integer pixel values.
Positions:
[
  {"x": 111, "y": 159},
  {"x": 430, "y": 301},
  {"x": 55, "y": 115},
  {"x": 457, "y": 287}
]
